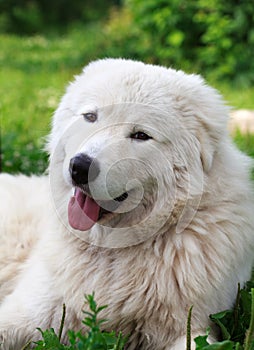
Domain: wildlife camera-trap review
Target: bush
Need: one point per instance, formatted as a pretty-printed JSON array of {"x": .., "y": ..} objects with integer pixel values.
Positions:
[
  {"x": 213, "y": 37},
  {"x": 94, "y": 339}
]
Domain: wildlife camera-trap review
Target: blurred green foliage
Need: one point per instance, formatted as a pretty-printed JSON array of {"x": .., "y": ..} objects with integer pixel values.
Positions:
[
  {"x": 212, "y": 36},
  {"x": 36, "y": 70},
  {"x": 34, "y": 16}
]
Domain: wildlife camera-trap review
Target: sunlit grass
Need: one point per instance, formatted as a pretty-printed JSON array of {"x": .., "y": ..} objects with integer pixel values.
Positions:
[{"x": 35, "y": 71}]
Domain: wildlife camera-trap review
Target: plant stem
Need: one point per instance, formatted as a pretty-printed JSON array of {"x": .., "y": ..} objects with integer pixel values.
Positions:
[
  {"x": 236, "y": 309},
  {"x": 250, "y": 332},
  {"x": 62, "y": 322},
  {"x": 188, "y": 336},
  {"x": 25, "y": 347}
]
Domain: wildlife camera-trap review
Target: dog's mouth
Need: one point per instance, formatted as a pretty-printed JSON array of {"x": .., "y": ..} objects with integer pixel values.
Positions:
[{"x": 84, "y": 211}]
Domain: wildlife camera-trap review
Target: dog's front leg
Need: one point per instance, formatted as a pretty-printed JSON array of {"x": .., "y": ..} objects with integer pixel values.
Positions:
[{"x": 33, "y": 303}]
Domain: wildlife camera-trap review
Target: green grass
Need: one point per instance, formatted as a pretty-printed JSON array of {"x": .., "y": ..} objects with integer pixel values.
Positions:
[
  {"x": 34, "y": 75},
  {"x": 35, "y": 71},
  {"x": 30, "y": 90},
  {"x": 237, "y": 97},
  {"x": 235, "y": 327}
]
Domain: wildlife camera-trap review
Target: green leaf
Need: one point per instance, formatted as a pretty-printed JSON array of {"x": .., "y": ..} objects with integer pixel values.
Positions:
[
  {"x": 222, "y": 319},
  {"x": 50, "y": 340},
  {"x": 201, "y": 342},
  {"x": 100, "y": 308},
  {"x": 72, "y": 337},
  {"x": 225, "y": 345},
  {"x": 91, "y": 302},
  {"x": 245, "y": 299}
]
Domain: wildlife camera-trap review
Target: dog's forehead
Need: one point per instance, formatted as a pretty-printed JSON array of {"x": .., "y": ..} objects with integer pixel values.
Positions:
[{"x": 110, "y": 83}]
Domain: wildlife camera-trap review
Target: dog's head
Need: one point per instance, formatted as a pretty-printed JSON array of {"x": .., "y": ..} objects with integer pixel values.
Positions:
[{"x": 130, "y": 145}]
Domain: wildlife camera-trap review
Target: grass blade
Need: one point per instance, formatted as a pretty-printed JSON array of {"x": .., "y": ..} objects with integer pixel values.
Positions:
[
  {"x": 188, "y": 337},
  {"x": 62, "y": 322}
]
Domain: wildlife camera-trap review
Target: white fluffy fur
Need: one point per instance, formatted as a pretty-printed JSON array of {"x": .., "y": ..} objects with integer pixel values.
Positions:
[{"x": 196, "y": 237}]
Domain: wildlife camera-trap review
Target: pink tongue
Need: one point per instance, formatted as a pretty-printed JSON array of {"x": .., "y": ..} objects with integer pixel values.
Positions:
[{"x": 83, "y": 211}]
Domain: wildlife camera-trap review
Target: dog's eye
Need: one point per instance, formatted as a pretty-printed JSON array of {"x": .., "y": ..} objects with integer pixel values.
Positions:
[
  {"x": 90, "y": 117},
  {"x": 140, "y": 135}
]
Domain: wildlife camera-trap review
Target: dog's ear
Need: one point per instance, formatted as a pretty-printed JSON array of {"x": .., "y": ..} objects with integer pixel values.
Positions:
[{"x": 205, "y": 114}]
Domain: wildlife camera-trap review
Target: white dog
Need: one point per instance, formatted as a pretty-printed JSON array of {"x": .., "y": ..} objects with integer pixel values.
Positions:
[{"x": 147, "y": 203}]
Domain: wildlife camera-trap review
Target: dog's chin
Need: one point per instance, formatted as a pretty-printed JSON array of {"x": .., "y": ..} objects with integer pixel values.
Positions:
[{"x": 127, "y": 218}]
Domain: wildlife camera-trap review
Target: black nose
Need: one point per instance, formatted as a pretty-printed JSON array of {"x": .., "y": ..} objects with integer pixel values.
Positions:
[{"x": 83, "y": 169}]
